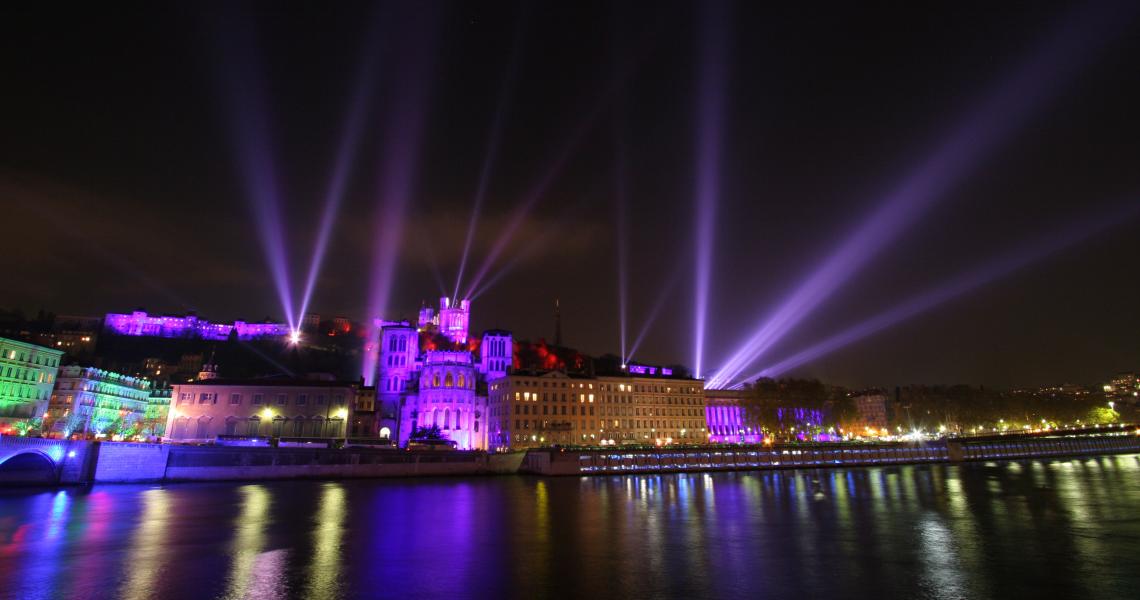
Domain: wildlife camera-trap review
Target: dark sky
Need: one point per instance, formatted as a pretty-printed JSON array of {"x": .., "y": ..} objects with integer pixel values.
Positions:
[{"x": 122, "y": 186}]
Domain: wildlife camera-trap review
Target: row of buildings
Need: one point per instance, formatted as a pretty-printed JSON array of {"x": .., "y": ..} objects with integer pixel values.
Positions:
[
  {"x": 428, "y": 377},
  {"x": 37, "y": 393},
  {"x": 433, "y": 376}
]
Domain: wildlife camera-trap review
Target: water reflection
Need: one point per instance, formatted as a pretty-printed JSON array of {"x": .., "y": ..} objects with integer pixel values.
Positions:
[
  {"x": 254, "y": 573},
  {"x": 148, "y": 546},
  {"x": 324, "y": 573},
  {"x": 1064, "y": 528}
]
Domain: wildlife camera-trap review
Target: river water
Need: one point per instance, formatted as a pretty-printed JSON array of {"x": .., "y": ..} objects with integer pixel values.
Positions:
[{"x": 1049, "y": 529}]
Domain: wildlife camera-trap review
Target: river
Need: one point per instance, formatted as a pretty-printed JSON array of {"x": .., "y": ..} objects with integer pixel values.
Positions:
[{"x": 1066, "y": 528}]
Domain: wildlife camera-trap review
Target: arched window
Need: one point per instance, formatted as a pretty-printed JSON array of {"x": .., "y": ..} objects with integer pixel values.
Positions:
[
  {"x": 231, "y": 425},
  {"x": 385, "y": 432},
  {"x": 203, "y": 428},
  {"x": 447, "y": 418},
  {"x": 299, "y": 426},
  {"x": 181, "y": 428},
  {"x": 253, "y": 426},
  {"x": 448, "y": 381},
  {"x": 435, "y": 417},
  {"x": 435, "y": 380},
  {"x": 462, "y": 381},
  {"x": 317, "y": 427},
  {"x": 458, "y": 419}
]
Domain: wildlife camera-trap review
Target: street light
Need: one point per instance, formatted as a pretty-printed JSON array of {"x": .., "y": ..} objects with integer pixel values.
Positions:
[
  {"x": 343, "y": 415},
  {"x": 267, "y": 414}
]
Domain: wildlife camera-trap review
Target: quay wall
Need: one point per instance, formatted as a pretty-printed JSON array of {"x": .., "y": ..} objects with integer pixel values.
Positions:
[
  {"x": 213, "y": 463},
  {"x": 36, "y": 461},
  {"x": 130, "y": 462},
  {"x": 617, "y": 460}
]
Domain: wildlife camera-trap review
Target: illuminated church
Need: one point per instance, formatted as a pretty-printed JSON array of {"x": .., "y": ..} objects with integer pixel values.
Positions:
[{"x": 434, "y": 373}]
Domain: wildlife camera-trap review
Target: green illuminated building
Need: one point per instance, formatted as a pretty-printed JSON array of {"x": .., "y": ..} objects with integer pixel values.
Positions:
[
  {"x": 27, "y": 374},
  {"x": 93, "y": 401}
]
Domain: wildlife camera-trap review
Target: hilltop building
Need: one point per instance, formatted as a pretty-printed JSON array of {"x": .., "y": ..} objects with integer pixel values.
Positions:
[
  {"x": 141, "y": 324},
  {"x": 434, "y": 374}
]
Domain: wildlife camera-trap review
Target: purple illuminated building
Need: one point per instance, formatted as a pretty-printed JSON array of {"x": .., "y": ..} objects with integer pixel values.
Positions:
[
  {"x": 726, "y": 419},
  {"x": 139, "y": 323},
  {"x": 433, "y": 375}
]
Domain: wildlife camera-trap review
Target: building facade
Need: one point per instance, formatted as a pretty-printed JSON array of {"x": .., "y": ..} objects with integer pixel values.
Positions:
[
  {"x": 871, "y": 412},
  {"x": 27, "y": 375},
  {"x": 434, "y": 375},
  {"x": 157, "y": 413},
  {"x": 542, "y": 409},
  {"x": 92, "y": 401},
  {"x": 202, "y": 410},
  {"x": 139, "y": 323},
  {"x": 727, "y": 419}
]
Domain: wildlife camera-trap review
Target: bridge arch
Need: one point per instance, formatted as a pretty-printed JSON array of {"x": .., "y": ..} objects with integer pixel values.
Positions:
[{"x": 28, "y": 466}]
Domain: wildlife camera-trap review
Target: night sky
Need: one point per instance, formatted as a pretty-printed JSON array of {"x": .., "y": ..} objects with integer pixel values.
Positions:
[{"x": 123, "y": 170}]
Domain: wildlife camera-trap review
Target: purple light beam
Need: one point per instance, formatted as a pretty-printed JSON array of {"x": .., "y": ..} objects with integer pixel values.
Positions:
[
  {"x": 342, "y": 165},
  {"x": 710, "y": 125},
  {"x": 565, "y": 152},
  {"x": 654, "y": 311},
  {"x": 975, "y": 137},
  {"x": 620, "y": 201},
  {"x": 1021, "y": 257},
  {"x": 403, "y": 140},
  {"x": 549, "y": 232},
  {"x": 506, "y": 93},
  {"x": 250, "y": 131}
]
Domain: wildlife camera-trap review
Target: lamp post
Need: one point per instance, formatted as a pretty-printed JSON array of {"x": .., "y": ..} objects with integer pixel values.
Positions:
[
  {"x": 343, "y": 415},
  {"x": 267, "y": 414}
]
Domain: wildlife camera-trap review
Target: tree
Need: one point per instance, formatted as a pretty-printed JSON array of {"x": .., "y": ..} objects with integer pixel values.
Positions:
[{"x": 1102, "y": 415}]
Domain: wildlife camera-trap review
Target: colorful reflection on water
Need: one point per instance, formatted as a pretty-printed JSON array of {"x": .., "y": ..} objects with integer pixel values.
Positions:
[{"x": 1057, "y": 529}]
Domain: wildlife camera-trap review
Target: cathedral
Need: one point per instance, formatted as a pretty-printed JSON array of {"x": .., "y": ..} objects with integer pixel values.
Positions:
[{"x": 434, "y": 374}]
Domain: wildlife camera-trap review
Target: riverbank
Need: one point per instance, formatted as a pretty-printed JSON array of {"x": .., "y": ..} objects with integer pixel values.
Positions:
[{"x": 32, "y": 461}]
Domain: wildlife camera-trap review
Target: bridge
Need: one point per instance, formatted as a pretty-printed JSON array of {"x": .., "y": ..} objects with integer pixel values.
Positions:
[{"x": 43, "y": 461}]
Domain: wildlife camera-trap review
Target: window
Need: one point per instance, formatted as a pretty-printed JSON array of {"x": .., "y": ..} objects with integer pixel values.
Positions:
[
  {"x": 258, "y": 399},
  {"x": 234, "y": 399},
  {"x": 302, "y": 399},
  {"x": 385, "y": 432},
  {"x": 282, "y": 399},
  {"x": 321, "y": 399},
  {"x": 339, "y": 399},
  {"x": 203, "y": 398},
  {"x": 203, "y": 428}
]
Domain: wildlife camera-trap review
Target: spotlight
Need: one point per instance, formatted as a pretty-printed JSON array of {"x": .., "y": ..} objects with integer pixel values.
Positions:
[{"x": 295, "y": 337}]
